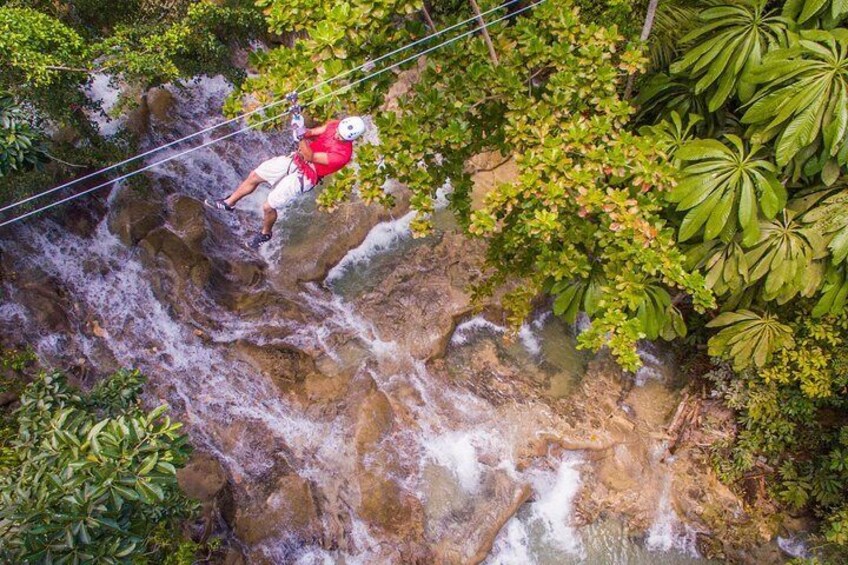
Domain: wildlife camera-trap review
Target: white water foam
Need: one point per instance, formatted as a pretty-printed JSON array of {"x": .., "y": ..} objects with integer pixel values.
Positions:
[
  {"x": 545, "y": 524},
  {"x": 794, "y": 547},
  {"x": 102, "y": 89},
  {"x": 382, "y": 237},
  {"x": 468, "y": 328}
]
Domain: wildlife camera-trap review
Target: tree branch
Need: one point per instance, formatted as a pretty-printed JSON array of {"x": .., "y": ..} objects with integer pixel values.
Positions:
[
  {"x": 492, "y": 53},
  {"x": 646, "y": 33},
  {"x": 426, "y": 12}
]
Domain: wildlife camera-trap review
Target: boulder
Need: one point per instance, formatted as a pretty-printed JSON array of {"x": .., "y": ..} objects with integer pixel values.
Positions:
[
  {"x": 418, "y": 303},
  {"x": 383, "y": 504},
  {"x": 282, "y": 509},
  {"x": 133, "y": 216},
  {"x": 285, "y": 366},
  {"x": 374, "y": 421},
  {"x": 202, "y": 478},
  {"x": 186, "y": 264},
  {"x": 310, "y": 253},
  {"x": 160, "y": 103},
  {"x": 188, "y": 218}
]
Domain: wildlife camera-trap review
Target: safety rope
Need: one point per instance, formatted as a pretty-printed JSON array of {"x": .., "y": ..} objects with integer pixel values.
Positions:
[
  {"x": 257, "y": 110},
  {"x": 268, "y": 120}
]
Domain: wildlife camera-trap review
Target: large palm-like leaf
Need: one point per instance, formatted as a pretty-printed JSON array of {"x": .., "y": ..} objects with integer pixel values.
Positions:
[
  {"x": 748, "y": 338},
  {"x": 787, "y": 258},
  {"x": 803, "y": 102},
  {"x": 672, "y": 133},
  {"x": 827, "y": 12},
  {"x": 731, "y": 39},
  {"x": 834, "y": 293},
  {"x": 827, "y": 212},
  {"x": 725, "y": 265},
  {"x": 720, "y": 184}
]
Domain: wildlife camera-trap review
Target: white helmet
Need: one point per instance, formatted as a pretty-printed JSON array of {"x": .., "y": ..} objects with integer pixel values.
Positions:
[{"x": 351, "y": 128}]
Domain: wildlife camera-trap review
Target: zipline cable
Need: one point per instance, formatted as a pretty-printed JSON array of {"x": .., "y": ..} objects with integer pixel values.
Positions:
[
  {"x": 267, "y": 120},
  {"x": 251, "y": 112}
]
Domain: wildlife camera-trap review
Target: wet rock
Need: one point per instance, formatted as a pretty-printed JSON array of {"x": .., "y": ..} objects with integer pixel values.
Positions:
[
  {"x": 202, "y": 478},
  {"x": 285, "y": 366},
  {"x": 184, "y": 263},
  {"x": 417, "y": 304},
  {"x": 285, "y": 507},
  {"x": 160, "y": 103},
  {"x": 134, "y": 215},
  {"x": 374, "y": 421},
  {"x": 310, "y": 253},
  {"x": 488, "y": 170},
  {"x": 46, "y": 304},
  {"x": 383, "y": 504},
  {"x": 187, "y": 217}
]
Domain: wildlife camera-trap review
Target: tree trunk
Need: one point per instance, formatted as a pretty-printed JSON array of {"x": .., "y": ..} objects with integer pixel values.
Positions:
[
  {"x": 646, "y": 33},
  {"x": 492, "y": 53},
  {"x": 427, "y": 17}
]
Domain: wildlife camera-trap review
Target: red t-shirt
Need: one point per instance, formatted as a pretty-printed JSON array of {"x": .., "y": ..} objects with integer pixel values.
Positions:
[{"x": 339, "y": 152}]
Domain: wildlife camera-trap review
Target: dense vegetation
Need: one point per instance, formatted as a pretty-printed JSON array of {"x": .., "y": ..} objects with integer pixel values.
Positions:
[
  {"x": 710, "y": 208},
  {"x": 88, "y": 477},
  {"x": 50, "y": 51}
]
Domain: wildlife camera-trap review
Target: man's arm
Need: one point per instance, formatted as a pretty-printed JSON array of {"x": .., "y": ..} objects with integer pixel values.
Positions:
[
  {"x": 315, "y": 132},
  {"x": 309, "y": 155}
]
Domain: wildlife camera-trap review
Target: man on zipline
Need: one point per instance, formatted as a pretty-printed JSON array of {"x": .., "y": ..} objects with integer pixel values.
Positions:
[{"x": 322, "y": 151}]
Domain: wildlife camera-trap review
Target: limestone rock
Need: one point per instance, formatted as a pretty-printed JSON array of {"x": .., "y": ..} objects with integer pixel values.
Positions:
[
  {"x": 374, "y": 421},
  {"x": 160, "y": 103},
  {"x": 202, "y": 478},
  {"x": 284, "y": 507},
  {"x": 133, "y": 216},
  {"x": 285, "y": 366}
]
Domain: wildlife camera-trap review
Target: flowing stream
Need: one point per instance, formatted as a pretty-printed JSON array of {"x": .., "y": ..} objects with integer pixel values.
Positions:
[{"x": 453, "y": 452}]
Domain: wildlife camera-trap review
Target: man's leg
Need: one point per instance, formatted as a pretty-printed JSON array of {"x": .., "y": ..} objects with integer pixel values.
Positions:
[
  {"x": 246, "y": 187},
  {"x": 279, "y": 198},
  {"x": 268, "y": 219}
]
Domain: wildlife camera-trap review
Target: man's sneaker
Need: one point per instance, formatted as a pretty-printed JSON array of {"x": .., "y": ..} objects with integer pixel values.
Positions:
[
  {"x": 258, "y": 239},
  {"x": 218, "y": 204}
]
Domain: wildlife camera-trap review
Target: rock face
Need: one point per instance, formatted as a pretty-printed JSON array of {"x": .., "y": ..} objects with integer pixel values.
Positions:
[
  {"x": 202, "y": 478},
  {"x": 419, "y": 302},
  {"x": 310, "y": 253},
  {"x": 282, "y": 508}
]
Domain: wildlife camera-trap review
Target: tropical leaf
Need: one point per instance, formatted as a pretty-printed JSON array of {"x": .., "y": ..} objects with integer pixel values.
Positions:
[
  {"x": 672, "y": 133},
  {"x": 720, "y": 185},
  {"x": 748, "y": 338},
  {"x": 826, "y": 210},
  {"x": 802, "y": 102},
  {"x": 732, "y": 38},
  {"x": 834, "y": 293},
  {"x": 724, "y": 263},
  {"x": 821, "y": 13},
  {"x": 787, "y": 258}
]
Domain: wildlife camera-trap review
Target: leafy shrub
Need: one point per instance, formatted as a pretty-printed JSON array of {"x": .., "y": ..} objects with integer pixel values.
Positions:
[{"x": 87, "y": 478}]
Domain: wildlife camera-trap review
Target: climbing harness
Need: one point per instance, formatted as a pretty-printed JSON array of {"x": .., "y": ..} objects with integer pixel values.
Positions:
[{"x": 260, "y": 109}]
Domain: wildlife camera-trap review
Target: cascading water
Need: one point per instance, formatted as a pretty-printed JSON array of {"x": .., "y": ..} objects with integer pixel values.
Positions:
[{"x": 459, "y": 463}]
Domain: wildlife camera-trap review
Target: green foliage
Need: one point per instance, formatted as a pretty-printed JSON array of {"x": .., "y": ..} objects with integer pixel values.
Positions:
[
  {"x": 802, "y": 103},
  {"x": 732, "y": 39},
  {"x": 823, "y": 13},
  {"x": 21, "y": 146},
  {"x": 720, "y": 184},
  {"x": 89, "y": 478},
  {"x": 749, "y": 338},
  {"x": 35, "y": 48}
]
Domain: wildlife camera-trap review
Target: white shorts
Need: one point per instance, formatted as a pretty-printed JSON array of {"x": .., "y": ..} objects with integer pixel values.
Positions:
[{"x": 286, "y": 180}]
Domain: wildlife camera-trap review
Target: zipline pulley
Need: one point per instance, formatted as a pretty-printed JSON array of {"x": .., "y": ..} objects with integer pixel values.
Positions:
[{"x": 298, "y": 124}]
